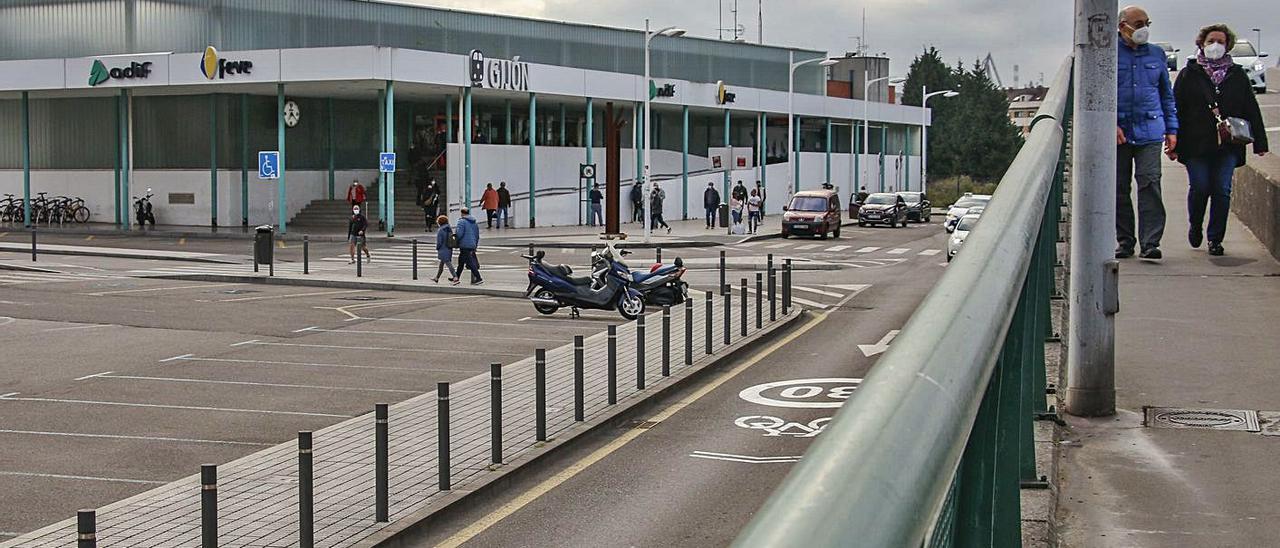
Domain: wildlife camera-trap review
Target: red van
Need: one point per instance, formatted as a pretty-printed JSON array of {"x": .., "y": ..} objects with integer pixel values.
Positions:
[{"x": 812, "y": 213}]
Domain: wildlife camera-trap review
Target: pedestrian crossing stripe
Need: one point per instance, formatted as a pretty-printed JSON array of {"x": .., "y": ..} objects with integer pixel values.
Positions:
[
  {"x": 835, "y": 248},
  {"x": 750, "y": 244},
  {"x": 776, "y": 246},
  {"x": 806, "y": 246},
  {"x": 867, "y": 250},
  {"x": 930, "y": 252},
  {"x": 898, "y": 251},
  {"x": 20, "y": 277}
]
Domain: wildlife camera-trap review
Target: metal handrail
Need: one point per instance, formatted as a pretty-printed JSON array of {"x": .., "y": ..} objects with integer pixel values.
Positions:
[{"x": 883, "y": 468}]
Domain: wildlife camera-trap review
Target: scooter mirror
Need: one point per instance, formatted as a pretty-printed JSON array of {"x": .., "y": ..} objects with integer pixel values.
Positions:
[
  {"x": 148, "y": 189},
  {"x": 540, "y": 254}
]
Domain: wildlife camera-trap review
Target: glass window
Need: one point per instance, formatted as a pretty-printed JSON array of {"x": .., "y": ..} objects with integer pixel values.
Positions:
[
  {"x": 882, "y": 199},
  {"x": 967, "y": 223},
  {"x": 808, "y": 203},
  {"x": 1243, "y": 49}
]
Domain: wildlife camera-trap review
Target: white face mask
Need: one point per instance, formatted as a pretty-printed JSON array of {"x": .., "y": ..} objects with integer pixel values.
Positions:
[
  {"x": 1140, "y": 36},
  {"x": 1214, "y": 51}
]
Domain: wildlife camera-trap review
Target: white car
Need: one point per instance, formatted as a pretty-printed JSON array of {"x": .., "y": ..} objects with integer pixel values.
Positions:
[
  {"x": 1250, "y": 59},
  {"x": 961, "y": 207},
  {"x": 963, "y": 227}
]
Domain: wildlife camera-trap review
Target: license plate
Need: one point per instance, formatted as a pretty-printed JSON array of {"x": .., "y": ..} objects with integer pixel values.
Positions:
[{"x": 873, "y": 215}]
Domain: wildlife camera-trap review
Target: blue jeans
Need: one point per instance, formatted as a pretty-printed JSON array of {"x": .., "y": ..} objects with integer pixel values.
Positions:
[
  {"x": 595, "y": 217},
  {"x": 1210, "y": 188},
  {"x": 504, "y": 217},
  {"x": 711, "y": 216}
]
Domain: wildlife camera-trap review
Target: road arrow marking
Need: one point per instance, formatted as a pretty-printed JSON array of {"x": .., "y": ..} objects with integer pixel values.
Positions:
[{"x": 869, "y": 350}]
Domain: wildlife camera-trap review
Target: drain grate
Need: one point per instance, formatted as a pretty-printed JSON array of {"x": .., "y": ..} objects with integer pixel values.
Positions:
[
  {"x": 360, "y": 298},
  {"x": 1211, "y": 419}
]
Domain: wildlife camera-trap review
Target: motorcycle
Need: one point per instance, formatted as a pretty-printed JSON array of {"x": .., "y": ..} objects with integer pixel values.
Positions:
[
  {"x": 142, "y": 210},
  {"x": 662, "y": 284},
  {"x": 609, "y": 286}
]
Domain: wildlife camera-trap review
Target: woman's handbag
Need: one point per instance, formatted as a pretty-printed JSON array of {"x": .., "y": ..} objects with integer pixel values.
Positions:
[
  {"x": 1232, "y": 130},
  {"x": 453, "y": 240}
]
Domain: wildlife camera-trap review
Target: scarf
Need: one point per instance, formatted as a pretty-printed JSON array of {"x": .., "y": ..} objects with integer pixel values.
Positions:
[{"x": 1217, "y": 69}]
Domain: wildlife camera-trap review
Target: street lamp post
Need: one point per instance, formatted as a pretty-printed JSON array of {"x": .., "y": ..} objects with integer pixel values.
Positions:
[
  {"x": 791, "y": 116},
  {"x": 924, "y": 130},
  {"x": 646, "y": 185},
  {"x": 1259, "y": 44},
  {"x": 866, "y": 123}
]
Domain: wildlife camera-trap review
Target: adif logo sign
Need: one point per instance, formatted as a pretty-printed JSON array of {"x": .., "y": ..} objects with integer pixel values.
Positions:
[
  {"x": 723, "y": 95},
  {"x": 99, "y": 72},
  {"x": 213, "y": 67},
  {"x": 511, "y": 75}
]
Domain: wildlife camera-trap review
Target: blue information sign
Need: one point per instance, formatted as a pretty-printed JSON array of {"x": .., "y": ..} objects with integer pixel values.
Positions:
[
  {"x": 387, "y": 162},
  {"x": 268, "y": 164}
]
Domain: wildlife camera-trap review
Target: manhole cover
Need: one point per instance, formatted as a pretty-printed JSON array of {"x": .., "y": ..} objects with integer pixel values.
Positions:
[
  {"x": 1212, "y": 419},
  {"x": 360, "y": 298},
  {"x": 237, "y": 291}
]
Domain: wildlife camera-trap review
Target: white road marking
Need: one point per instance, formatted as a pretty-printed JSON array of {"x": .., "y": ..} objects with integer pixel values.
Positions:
[
  {"x": 524, "y": 319},
  {"x": 796, "y": 299},
  {"x": 855, "y": 288},
  {"x": 139, "y": 438},
  {"x": 412, "y": 334},
  {"x": 384, "y": 348},
  {"x": 897, "y": 251},
  {"x": 85, "y": 478},
  {"x": 242, "y": 343},
  {"x": 165, "y": 406},
  {"x": 5, "y": 320},
  {"x": 836, "y": 248},
  {"x": 818, "y": 291},
  {"x": 176, "y": 358},
  {"x": 76, "y": 327},
  {"x": 742, "y": 458},
  {"x": 314, "y": 364},
  {"x": 750, "y": 244},
  {"x": 1273, "y": 129},
  {"x": 930, "y": 252},
  {"x": 777, "y": 246},
  {"x": 880, "y": 347},
  {"x": 248, "y": 383},
  {"x": 93, "y": 375},
  {"x": 806, "y": 246},
  {"x": 426, "y": 320},
  {"x": 867, "y": 250},
  {"x": 292, "y": 295},
  {"x": 172, "y": 288}
]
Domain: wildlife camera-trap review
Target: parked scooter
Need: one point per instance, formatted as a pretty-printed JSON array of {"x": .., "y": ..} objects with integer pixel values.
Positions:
[
  {"x": 142, "y": 210},
  {"x": 662, "y": 284},
  {"x": 608, "y": 287}
]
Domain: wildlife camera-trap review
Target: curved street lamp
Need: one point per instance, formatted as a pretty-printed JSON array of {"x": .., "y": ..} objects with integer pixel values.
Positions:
[
  {"x": 646, "y": 184},
  {"x": 924, "y": 131},
  {"x": 791, "y": 117},
  {"x": 866, "y": 124}
]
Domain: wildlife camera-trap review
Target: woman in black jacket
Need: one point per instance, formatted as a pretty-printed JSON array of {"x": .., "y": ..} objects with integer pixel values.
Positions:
[{"x": 1213, "y": 81}]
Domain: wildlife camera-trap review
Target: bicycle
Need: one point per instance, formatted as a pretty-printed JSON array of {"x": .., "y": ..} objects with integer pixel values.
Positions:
[{"x": 11, "y": 209}]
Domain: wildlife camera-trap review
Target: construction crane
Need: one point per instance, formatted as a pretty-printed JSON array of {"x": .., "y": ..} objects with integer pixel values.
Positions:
[{"x": 989, "y": 66}]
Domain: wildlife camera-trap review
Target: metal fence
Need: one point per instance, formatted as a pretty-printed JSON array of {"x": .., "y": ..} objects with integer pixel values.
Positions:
[{"x": 938, "y": 441}]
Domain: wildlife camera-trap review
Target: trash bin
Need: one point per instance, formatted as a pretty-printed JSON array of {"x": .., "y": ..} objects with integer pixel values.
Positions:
[
  {"x": 724, "y": 215},
  {"x": 262, "y": 240}
]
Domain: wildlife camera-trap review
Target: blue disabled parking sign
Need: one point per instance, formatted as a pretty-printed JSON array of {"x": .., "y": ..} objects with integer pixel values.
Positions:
[
  {"x": 268, "y": 164},
  {"x": 387, "y": 162}
]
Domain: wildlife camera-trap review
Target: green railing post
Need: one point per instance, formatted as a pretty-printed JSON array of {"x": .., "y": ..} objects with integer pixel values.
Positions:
[
  {"x": 1006, "y": 516},
  {"x": 975, "y": 493},
  {"x": 1028, "y": 339}
]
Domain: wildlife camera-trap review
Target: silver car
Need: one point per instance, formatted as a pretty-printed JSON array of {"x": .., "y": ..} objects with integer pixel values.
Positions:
[{"x": 963, "y": 227}]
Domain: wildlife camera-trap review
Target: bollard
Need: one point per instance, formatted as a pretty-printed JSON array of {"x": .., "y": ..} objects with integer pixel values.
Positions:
[
  {"x": 744, "y": 307},
  {"x": 208, "y": 505},
  {"x": 540, "y": 392},
  {"x": 721, "y": 271},
  {"x": 530, "y": 250},
  {"x": 657, "y": 254},
  {"x": 707, "y": 324},
  {"x": 579, "y": 382},
  {"x": 306, "y": 506},
  {"x": 33, "y": 247},
  {"x": 381, "y": 489},
  {"x": 688, "y": 331},
  {"x": 786, "y": 287},
  {"x": 728, "y": 316},
  {"x": 442, "y": 427},
  {"x": 495, "y": 412},
  {"x": 306, "y": 254},
  {"x": 613, "y": 364},
  {"x": 769, "y": 262},
  {"x": 640, "y": 353},
  {"x": 666, "y": 340},
  {"x": 773, "y": 295},
  {"x": 359, "y": 262},
  {"x": 759, "y": 300},
  {"x": 415, "y": 259},
  {"x": 86, "y": 529}
]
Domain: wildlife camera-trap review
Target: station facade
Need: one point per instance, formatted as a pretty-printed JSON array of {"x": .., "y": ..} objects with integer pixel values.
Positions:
[{"x": 104, "y": 99}]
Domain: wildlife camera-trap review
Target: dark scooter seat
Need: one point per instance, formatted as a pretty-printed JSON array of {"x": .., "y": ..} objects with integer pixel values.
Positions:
[{"x": 566, "y": 272}]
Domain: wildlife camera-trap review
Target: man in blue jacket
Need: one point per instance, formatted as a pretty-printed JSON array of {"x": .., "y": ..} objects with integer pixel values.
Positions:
[
  {"x": 1146, "y": 119},
  {"x": 468, "y": 240}
]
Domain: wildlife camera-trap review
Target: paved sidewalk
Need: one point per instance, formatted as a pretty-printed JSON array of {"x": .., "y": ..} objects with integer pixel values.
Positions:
[
  {"x": 258, "y": 505},
  {"x": 1197, "y": 332}
]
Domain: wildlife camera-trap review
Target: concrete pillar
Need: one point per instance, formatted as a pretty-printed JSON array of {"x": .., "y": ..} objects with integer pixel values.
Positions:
[
  {"x": 390, "y": 140},
  {"x": 126, "y": 144}
]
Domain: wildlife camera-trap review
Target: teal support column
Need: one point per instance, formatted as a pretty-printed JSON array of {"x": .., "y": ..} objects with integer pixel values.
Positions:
[
  {"x": 588, "y": 139},
  {"x": 213, "y": 160},
  {"x": 684, "y": 160},
  {"x": 466, "y": 142},
  {"x": 282, "y": 212},
  {"x": 124, "y": 160},
  {"x": 562, "y": 124},
  {"x": 26, "y": 160},
  {"x": 728, "y": 161},
  {"x": 828, "y": 151},
  {"x": 116, "y": 162},
  {"x": 390, "y": 139},
  {"x": 858, "y": 145},
  {"x": 244, "y": 160},
  {"x": 533, "y": 170},
  {"x": 884, "y": 143},
  {"x": 795, "y": 162},
  {"x": 507, "y": 118},
  {"x": 763, "y": 153},
  {"x": 382, "y": 146},
  {"x": 448, "y": 119},
  {"x": 637, "y": 140},
  {"x": 333, "y": 143}
]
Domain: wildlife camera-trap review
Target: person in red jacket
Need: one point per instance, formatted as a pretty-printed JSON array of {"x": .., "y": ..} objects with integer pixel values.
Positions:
[
  {"x": 489, "y": 203},
  {"x": 355, "y": 193}
]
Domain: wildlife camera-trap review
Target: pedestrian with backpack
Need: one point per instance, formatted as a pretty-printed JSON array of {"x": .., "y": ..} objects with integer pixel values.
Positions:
[{"x": 446, "y": 241}]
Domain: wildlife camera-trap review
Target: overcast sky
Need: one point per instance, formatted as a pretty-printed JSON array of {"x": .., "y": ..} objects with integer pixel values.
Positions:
[{"x": 1033, "y": 34}]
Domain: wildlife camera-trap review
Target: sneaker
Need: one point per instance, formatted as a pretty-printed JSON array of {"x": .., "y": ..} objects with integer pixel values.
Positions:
[
  {"x": 481, "y": 282},
  {"x": 1122, "y": 253},
  {"x": 455, "y": 281},
  {"x": 1215, "y": 249},
  {"x": 435, "y": 280},
  {"x": 1151, "y": 253},
  {"x": 668, "y": 230},
  {"x": 352, "y": 261},
  {"x": 1195, "y": 237}
]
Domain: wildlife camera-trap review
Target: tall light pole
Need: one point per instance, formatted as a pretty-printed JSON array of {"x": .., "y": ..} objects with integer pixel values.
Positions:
[
  {"x": 866, "y": 124},
  {"x": 1259, "y": 44},
  {"x": 647, "y": 185},
  {"x": 791, "y": 116},
  {"x": 924, "y": 131}
]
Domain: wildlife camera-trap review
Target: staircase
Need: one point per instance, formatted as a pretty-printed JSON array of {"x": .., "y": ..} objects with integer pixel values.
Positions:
[{"x": 331, "y": 215}]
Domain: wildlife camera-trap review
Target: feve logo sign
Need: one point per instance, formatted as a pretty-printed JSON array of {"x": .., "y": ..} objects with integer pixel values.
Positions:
[
  {"x": 214, "y": 67},
  {"x": 99, "y": 72},
  {"x": 723, "y": 95}
]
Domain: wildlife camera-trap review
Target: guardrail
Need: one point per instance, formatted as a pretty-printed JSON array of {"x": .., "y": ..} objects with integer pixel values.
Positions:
[{"x": 938, "y": 440}]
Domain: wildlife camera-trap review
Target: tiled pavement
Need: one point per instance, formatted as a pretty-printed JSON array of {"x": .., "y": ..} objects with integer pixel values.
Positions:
[{"x": 258, "y": 504}]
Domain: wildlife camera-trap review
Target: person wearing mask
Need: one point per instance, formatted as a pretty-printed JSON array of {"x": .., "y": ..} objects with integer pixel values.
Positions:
[
  {"x": 504, "y": 206},
  {"x": 739, "y": 192},
  {"x": 355, "y": 193},
  {"x": 594, "y": 199},
  {"x": 1213, "y": 88},
  {"x": 760, "y": 189},
  {"x": 468, "y": 232},
  {"x": 1146, "y": 119},
  {"x": 356, "y": 226},
  {"x": 637, "y": 203},
  {"x": 430, "y": 199},
  {"x": 754, "y": 209},
  {"x": 489, "y": 203},
  {"x": 444, "y": 252},
  {"x": 711, "y": 201},
  {"x": 655, "y": 207}
]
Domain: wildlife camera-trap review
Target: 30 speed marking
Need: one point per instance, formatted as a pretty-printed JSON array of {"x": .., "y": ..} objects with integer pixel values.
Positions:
[{"x": 820, "y": 393}]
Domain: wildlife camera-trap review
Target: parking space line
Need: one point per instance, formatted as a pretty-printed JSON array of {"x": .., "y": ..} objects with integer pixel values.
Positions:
[
  {"x": 242, "y": 343},
  {"x": 818, "y": 291},
  {"x": 138, "y": 438},
  {"x": 166, "y": 406},
  {"x": 289, "y": 296},
  {"x": 84, "y": 478},
  {"x": 425, "y": 320},
  {"x": 796, "y": 299},
  {"x": 248, "y": 383},
  {"x": 174, "y": 288},
  {"x": 93, "y": 375},
  {"x": 176, "y": 358},
  {"x": 411, "y": 334},
  {"x": 406, "y": 301},
  {"x": 384, "y": 348},
  {"x": 315, "y": 364},
  {"x": 75, "y": 327}
]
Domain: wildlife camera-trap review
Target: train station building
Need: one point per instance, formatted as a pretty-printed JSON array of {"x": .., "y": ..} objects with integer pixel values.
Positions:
[{"x": 104, "y": 99}]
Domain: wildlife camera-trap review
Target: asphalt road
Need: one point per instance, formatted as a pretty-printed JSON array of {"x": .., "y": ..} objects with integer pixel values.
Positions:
[{"x": 115, "y": 383}]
